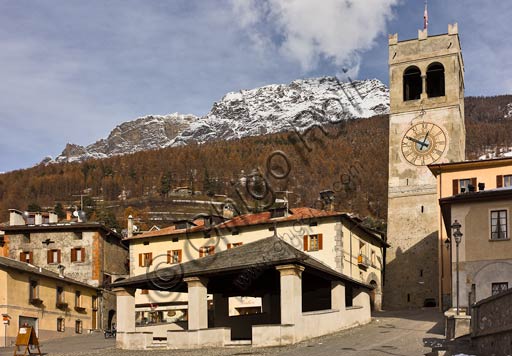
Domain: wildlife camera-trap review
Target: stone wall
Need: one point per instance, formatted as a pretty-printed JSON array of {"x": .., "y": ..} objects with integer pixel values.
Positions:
[{"x": 491, "y": 329}]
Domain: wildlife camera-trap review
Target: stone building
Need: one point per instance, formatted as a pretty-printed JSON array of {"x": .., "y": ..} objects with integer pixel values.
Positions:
[
  {"x": 465, "y": 177},
  {"x": 426, "y": 126},
  {"x": 339, "y": 240},
  {"x": 54, "y": 305},
  {"x": 87, "y": 252}
]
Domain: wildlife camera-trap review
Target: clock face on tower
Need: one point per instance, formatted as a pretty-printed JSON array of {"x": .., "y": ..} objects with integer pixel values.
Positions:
[{"x": 423, "y": 143}]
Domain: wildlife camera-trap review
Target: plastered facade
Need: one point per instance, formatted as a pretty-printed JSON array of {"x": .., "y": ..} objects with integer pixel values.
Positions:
[
  {"x": 14, "y": 301},
  {"x": 342, "y": 246}
]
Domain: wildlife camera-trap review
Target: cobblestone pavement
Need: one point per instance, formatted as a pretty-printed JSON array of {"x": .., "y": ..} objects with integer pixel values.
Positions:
[{"x": 402, "y": 333}]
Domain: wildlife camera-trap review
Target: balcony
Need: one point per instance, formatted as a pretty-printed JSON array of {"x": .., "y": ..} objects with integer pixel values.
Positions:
[
  {"x": 62, "y": 305},
  {"x": 363, "y": 261}
]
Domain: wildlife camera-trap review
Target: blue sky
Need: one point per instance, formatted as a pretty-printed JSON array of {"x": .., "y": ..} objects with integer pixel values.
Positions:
[{"x": 71, "y": 70}]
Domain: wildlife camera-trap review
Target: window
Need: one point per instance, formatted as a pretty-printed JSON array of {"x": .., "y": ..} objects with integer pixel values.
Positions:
[
  {"x": 34, "y": 291},
  {"x": 499, "y": 225},
  {"x": 78, "y": 299},
  {"x": 53, "y": 256},
  {"x": 462, "y": 185},
  {"x": 497, "y": 288},
  {"x": 504, "y": 181},
  {"x": 77, "y": 235},
  {"x": 26, "y": 257},
  {"x": 78, "y": 254},
  {"x": 235, "y": 244},
  {"x": 373, "y": 259},
  {"x": 60, "y": 296},
  {"x": 145, "y": 259},
  {"x": 94, "y": 302},
  {"x": 61, "y": 325},
  {"x": 206, "y": 250},
  {"x": 78, "y": 326},
  {"x": 435, "y": 80},
  {"x": 412, "y": 83},
  {"x": 313, "y": 242},
  {"x": 174, "y": 256}
]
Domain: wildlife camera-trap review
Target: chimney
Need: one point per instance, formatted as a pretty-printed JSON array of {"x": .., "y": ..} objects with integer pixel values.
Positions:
[
  {"x": 61, "y": 269},
  {"x": 53, "y": 218},
  {"x": 38, "y": 219},
  {"x": 69, "y": 215},
  {"x": 130, "y": 226},
  {"x": 16, "y": 217},
  {"x": 481, "y": 186}
]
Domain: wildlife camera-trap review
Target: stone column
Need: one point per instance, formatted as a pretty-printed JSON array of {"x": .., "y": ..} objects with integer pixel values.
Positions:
[
  {"x": 291, "y": 293},
  {"x": 337, "y": 295},
  {"x": 125, "y": 299},
  {"x": 197, "y": 303},
  {"x": 424, "y": 94}
]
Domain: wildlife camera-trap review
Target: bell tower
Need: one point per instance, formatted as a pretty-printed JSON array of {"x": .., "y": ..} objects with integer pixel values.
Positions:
[{"x": 426, "y": 77}]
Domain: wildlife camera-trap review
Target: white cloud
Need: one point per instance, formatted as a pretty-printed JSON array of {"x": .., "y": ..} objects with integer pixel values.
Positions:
[{"x": 309, "y": 31}]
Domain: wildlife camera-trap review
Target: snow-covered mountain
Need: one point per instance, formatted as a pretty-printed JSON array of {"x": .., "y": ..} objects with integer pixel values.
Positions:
[{"x": 269, "y": 109}]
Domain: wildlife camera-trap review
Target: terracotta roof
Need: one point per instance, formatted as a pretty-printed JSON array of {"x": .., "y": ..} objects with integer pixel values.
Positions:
[
  {"x": 263, "y": 254},
  {"x": 245, "y": 220},
  {"x": 27, "y": 267},
  {"x": 265, "y": 217},
  {"x": 171, "y": 230}
]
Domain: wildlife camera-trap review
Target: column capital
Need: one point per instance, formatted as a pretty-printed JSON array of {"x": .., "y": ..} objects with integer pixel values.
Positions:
[
  {"x": 196, "y": 281},
  {"x": 290, "y": 270}
]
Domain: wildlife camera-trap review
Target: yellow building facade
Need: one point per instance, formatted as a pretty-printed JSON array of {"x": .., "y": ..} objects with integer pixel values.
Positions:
[{"x": 55, "y": 306}]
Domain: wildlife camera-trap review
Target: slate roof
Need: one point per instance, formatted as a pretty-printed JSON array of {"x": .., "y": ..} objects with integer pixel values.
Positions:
[
  {"x": 6, "y": 263},
  {"x": 264, "y": 253}
]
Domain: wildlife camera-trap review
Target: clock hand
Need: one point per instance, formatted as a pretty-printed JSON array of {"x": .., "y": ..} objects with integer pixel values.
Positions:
[
  {"x": 425, "y": 139},
  {"x": 417, "y": 141}
]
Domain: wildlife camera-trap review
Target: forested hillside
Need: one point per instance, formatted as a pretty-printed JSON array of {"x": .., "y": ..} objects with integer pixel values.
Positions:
[{"x": 350, "y": 159}]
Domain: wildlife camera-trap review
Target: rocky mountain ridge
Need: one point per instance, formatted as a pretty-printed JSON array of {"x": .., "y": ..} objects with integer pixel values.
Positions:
[{"x": 268, "y": 109}]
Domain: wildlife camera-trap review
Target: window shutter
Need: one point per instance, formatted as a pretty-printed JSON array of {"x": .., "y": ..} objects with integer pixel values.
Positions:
[
  {"x": 473, "y": 182},
  {"x": 150, "y": 259},
  {"x": 211, "y": 250},
  {"x": 73, "y": 255},
  {"x": 83, "y": 254},
  {"x": 140, "y": 260},
  {"x": 499, "y": 181},
  {"x": 455, "y": 187},
  {"x": 179, "y": 256},
  {"x": 169, "y": 256},
  {"x": 31, "y": 257},
  {"x": 320, "y": 241},
  {"x": 305, "y": 242},
  {"x": 49, "y": 256},
  {"x": 22, "y": 254},
  {"x": 58, "y": 256},
  {"x": 230, "y": 245}
]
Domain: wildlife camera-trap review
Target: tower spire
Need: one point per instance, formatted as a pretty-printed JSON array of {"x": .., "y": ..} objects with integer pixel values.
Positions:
[{"x": 425, "y": 17}]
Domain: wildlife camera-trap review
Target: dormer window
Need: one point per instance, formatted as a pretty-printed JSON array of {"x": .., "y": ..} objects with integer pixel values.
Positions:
[{"x": 412, "y": 83}]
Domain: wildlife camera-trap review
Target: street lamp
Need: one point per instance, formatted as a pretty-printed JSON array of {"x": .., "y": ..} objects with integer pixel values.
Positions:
[{"x": 457, "y": 235}]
